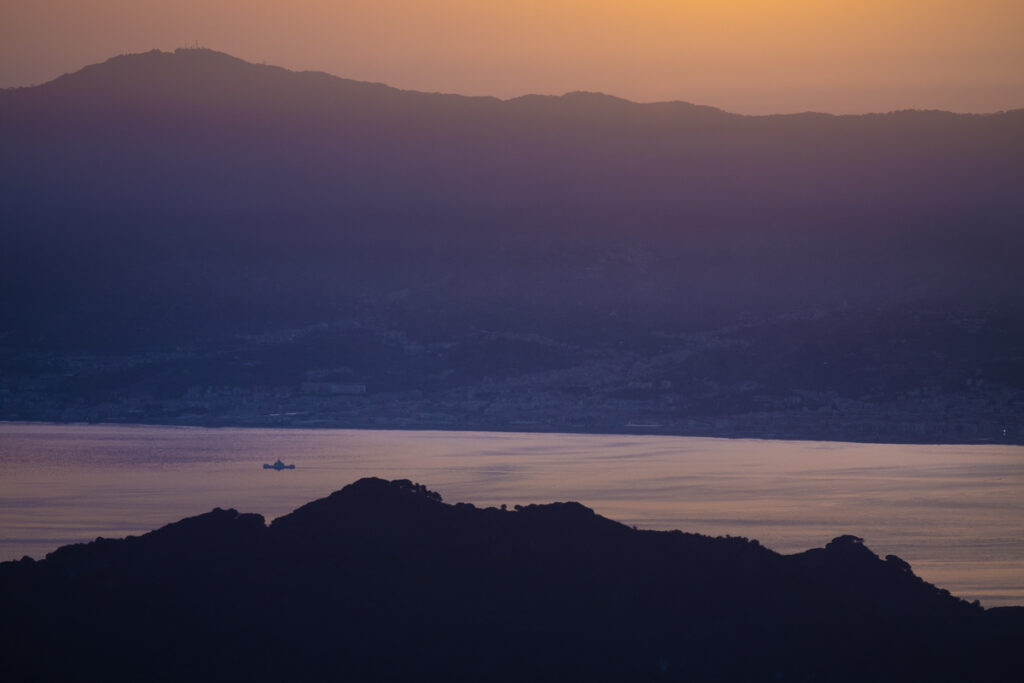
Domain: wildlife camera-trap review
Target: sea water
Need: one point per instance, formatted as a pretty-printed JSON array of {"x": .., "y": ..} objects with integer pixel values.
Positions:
[{"x": 955, "y": 513}]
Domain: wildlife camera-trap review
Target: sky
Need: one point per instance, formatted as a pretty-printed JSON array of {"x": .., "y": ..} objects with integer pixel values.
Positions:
[{"x": 747, "y": 56}]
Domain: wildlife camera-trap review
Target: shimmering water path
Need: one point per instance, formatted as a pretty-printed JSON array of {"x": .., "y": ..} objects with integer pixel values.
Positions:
[{"x": 956, "y": 513}]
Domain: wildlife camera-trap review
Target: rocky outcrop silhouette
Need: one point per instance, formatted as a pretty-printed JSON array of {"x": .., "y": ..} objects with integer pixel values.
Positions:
[{"x": 382, "y": 581}]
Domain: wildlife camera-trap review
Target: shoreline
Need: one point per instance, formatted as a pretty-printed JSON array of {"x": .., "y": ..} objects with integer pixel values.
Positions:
[{"x": 482, "y": 428}]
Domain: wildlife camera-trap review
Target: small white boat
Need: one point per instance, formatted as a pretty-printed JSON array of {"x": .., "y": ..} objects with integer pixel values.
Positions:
[{"x": 278, "y": 466}]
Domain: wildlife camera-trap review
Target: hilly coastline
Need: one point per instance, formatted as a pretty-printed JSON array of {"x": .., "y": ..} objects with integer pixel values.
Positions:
[
  {"x": 383, "y": 581},
  {"x": 193, "y": 239}
]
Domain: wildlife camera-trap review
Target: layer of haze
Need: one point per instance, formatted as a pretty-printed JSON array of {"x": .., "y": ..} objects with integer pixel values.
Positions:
[{"x": 748, "y": 56}]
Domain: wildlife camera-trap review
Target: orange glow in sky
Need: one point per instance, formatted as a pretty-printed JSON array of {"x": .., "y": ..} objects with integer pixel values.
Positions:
[{"x": 750, "y": 56}]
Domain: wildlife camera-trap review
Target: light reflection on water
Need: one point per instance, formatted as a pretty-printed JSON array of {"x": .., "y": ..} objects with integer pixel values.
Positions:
[{"x": 956, "y": 513}]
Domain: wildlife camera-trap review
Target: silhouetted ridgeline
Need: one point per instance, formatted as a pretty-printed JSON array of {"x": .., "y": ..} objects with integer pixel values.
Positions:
[
  {"x": 188, "y": 237},
  {"x": 383, "y": 581}
]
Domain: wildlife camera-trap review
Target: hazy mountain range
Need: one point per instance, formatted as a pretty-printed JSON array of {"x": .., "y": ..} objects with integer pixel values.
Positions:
[
  {"x": 191, "y": 237},
  {"x": 381, "y": 581}
]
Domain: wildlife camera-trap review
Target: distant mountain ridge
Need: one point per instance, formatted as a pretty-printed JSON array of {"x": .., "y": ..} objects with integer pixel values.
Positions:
[
  {"x": 128, "y": 66},
  {"x": 169, "y": 201},
  {"x": 316, "y": 163},
  {"x": 383, "y": 581},
  {"x": 140, "y": 69}
]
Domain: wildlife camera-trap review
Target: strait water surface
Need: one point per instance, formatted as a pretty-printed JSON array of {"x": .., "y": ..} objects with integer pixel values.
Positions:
[{"x": 956, "y": 513}]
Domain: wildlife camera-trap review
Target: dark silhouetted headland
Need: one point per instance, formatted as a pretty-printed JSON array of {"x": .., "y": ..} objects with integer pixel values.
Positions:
[
  {"x": 382, "y": 581},
  {"x": 191, "y": 238}
]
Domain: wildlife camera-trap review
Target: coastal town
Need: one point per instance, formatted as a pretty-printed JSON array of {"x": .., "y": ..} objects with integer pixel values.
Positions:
[{"x": 730, "y": 383}]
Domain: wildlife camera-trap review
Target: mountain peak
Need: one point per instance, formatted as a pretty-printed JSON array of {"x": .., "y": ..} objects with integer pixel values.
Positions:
[
  {"x": 157, "y": 70},
  {"x": 370, "y": 497}
]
